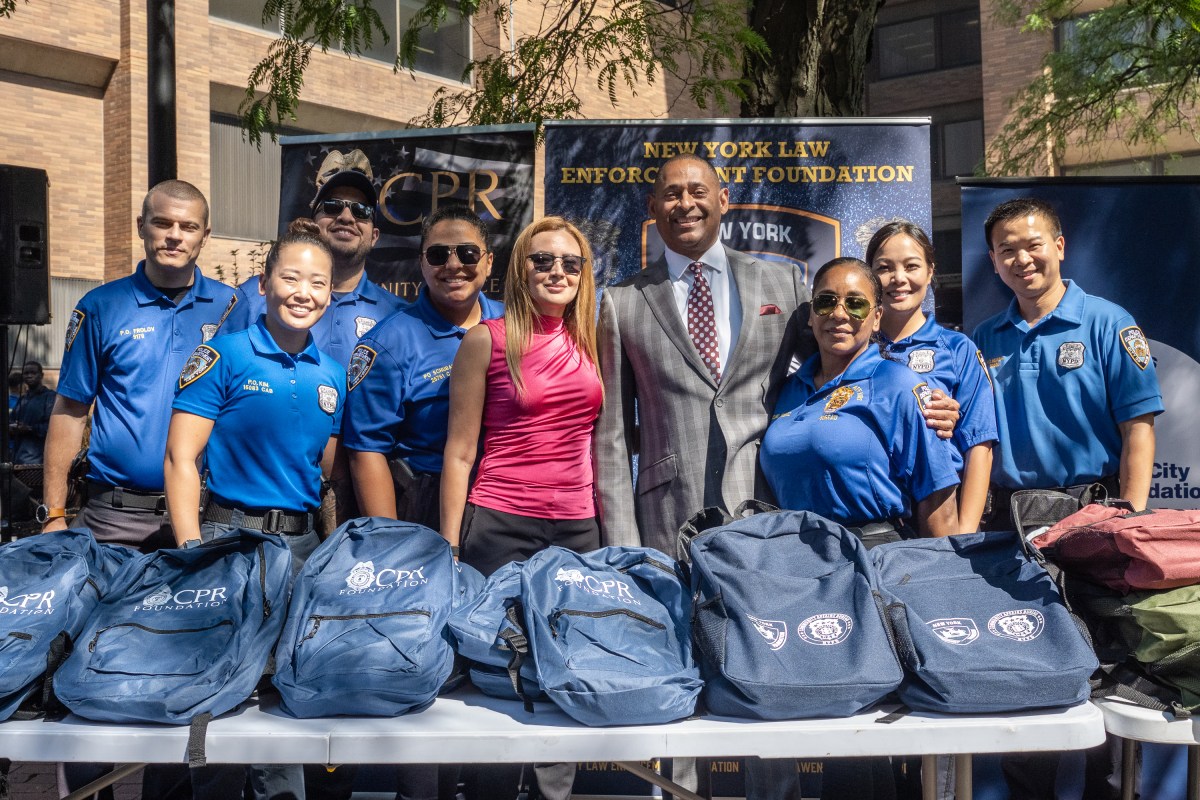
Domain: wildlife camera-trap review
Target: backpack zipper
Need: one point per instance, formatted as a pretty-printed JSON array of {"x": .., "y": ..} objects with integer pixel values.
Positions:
[
  {"x": 553, "y": 619},
  {"x": 262, "y": 581},
  {"x": 318, "y": 618},
  {"x": 92, "y": 643}
]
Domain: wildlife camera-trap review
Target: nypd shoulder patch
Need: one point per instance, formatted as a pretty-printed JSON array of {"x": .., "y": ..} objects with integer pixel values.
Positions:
[
  {"x": 233, "y": 301},
  {"x": 982, "y": 363},
  {"x": 327, "y": 397},
  {"x": 1135, "y": 344},
  {"x": 199, "y": 362},
  {"x": 923, "y": 394},
  {"x": 360, "y": 364},
  {"x": 73, "y": 326}
]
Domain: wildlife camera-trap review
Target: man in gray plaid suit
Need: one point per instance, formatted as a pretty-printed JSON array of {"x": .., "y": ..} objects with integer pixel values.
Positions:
[
  {"x": 697, "y": 428},
  {"x": 699, "y": 343}
]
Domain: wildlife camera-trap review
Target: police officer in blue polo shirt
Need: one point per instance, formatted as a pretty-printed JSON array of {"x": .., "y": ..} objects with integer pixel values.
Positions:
[
  {"x": 1076, "y": 397},
  {"x": 344, "y": 210},
  {"x": 398, "y": 403},
  {"x": 126, "y": 342},
  {"x": 848, "y": 438},
  {"x": 271, "y": 379}
]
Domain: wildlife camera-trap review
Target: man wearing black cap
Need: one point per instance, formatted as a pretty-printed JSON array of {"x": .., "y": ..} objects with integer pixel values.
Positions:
[{"x": 344, "y": 210}]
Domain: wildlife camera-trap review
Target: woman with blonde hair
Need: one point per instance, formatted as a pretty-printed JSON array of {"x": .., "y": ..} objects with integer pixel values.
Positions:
[{"x": 530, "y": 381}]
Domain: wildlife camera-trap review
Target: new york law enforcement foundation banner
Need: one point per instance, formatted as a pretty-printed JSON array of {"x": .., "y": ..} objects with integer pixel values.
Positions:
[
  {"x": 1132, "y": 241},
  {"x": 800, "y": 191},
  {"x": 488, "y": 168}
]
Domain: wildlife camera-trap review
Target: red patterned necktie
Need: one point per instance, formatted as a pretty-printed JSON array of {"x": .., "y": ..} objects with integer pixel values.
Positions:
[{"x": 702, "y": 322}]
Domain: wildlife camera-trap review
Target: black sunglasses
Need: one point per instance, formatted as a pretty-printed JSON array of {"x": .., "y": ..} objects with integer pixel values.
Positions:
[
  {"x": 857, "y": 307},
  {"x": 357, "y": 210},
  {"x": 438, "y": 255},
  {"x": 544, "y": 262}
]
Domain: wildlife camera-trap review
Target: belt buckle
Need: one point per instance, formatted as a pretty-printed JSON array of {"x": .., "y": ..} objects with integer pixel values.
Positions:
[{"x": 272, "y": 521}]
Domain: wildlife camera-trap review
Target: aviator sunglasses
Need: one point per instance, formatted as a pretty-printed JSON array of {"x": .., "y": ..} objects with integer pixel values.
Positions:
[
  {"x": 544, "y": 262},
  {"x": 438, "y": 255},
  {"x": 857, "y": 307},
  {"x": 357, "y": 210}
]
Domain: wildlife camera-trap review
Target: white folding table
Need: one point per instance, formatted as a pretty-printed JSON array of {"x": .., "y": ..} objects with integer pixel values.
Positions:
[
  {"x": 469, "y": 727},
  {"x": 1133, "y": 723}
]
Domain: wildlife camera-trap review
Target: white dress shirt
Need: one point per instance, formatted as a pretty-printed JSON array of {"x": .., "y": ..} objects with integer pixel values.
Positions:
[{"x": 727, "y": 308}]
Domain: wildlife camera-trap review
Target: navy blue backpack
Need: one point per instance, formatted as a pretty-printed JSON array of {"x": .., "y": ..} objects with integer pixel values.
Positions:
[
  {"x": 181, "y": 635},
  {"x": 366, "y": 634},
  {"x": 489, "y": 632},
  {"x": 980, "y": 627},
  {"x": 788, "y": 620},
  {"x": 49, "y": 585},
  {"x": 609, "y": 634}
]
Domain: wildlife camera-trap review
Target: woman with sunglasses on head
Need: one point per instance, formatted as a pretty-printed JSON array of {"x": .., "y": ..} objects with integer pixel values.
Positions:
[
  {"x": 902, "y": 256},
  {"x": 531, "y": 384},
  {"x": 398, "y": 399},
  {"x": 847, "y": 439}
]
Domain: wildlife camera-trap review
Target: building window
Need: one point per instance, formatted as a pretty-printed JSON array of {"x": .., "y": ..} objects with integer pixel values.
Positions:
[
  {"x": 245, "y": 183},
  {"x": 957, "y": 147},
  {"x": 1179, "y": 164},
  {"x": 928, "y": 43},
  {"x": 445, "y": 52}
]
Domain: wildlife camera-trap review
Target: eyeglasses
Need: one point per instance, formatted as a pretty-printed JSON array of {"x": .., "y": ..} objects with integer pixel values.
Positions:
[
  {"x": 357, "y": 210},
  {"x": 857, "y": 307},
  {"x": 438, "y": 255},
  {"x": 544, "y": 262}
]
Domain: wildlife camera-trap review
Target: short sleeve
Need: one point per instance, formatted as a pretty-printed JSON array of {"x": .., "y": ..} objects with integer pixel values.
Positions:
[
  {"x": 79, "y": 375},
  {"x": 925, "y": 462},
  {"x": 1130, "y": 373},
  {"x": 200, "y": 389},
  {"x": 374, "y": 399}
]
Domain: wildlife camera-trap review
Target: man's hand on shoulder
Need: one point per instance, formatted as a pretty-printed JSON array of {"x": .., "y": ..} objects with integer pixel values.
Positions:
[{"x": 941, "y": 414}]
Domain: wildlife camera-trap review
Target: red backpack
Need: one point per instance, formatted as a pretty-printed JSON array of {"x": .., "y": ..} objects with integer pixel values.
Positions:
[{"x": 1127, "y": 550}]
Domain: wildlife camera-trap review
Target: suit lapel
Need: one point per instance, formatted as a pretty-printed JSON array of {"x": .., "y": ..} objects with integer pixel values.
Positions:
[
  {"x": 661, "y": 298},
  {"x": 749, "y": 292}
]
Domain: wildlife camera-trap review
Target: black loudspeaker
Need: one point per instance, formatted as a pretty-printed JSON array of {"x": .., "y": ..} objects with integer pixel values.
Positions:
[{"x": 24, "y": 246}]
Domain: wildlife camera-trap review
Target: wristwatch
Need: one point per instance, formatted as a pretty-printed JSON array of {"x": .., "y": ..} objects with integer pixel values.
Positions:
[{"x": 45, "y": 513}]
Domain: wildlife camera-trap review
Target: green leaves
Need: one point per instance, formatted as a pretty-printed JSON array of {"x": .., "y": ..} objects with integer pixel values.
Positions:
[
  {"x": 620, "y": 46},
  {"x": 1128, "y": 74}
]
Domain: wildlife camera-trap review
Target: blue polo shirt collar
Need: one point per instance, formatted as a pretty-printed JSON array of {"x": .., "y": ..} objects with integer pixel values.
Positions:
[
  {"x": 264, "y": 344},
  {"x": 146, "y": 293},
  {"x": 1069, "y": 309},
  {"x": 438, "y": 326},
  {"x": 860, "y": 368},
  {"x": 928, "y": 333}
]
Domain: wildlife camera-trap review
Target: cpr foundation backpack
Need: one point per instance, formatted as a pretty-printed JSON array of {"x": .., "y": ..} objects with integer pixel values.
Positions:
[
  {"x": 366, "y": 633},
  {"x": 981, "y": 627},
  {"x": 181, "y": 635},
  {"x": 489, "y": 632},
  {"x": 789, "y": 620},
  {"x": 49, "y": 585},
  {"x": 609, "y": 636}
]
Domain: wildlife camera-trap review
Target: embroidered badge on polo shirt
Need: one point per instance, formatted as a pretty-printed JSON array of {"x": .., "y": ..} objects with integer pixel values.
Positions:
[
  {"x": 73, "y": 326},
  {"x": 360, "y": 364},
  {"x": 838, "y": 398},
  {"x": 327, "y": 397},
  {"x": 921, "y": 361},
  {"x": 208, "y": 331},
  {"x": 993, "y": 362},
  {"x": 1136, "y": 345},
  {"x": 199, "y": 362},
  {"x": 362, "y": 325},
  {"x": 1070, "y": 355}
]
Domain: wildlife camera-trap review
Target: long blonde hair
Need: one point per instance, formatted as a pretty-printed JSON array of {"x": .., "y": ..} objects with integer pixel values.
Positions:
[{"x": 579, "y": 318}]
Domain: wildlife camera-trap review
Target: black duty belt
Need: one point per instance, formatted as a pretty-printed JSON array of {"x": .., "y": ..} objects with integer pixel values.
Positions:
[
  {"x": 265, "y": 520},
  {"x": 119, "y": 497},
  {"x": 884, "y": 531}
]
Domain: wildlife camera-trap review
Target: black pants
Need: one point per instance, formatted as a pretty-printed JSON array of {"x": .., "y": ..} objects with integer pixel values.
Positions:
[{"x": 490, "y": 539}]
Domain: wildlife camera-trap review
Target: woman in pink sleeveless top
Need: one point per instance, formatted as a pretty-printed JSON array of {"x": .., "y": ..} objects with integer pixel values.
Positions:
[{"x": 529, "y": 381}]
